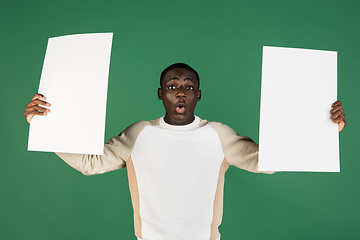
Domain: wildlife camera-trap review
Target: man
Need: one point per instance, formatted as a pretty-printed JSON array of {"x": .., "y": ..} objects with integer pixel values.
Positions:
[{"x": 176, "y": 164}]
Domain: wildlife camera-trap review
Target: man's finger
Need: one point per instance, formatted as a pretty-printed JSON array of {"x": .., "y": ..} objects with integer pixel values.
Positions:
[
  {"x": 37, "y": 102},
  {"x": 337, "y": 103},
  {"x": 337, "y": 108},
  {"x": 37, "y": 110},
  {"x": 337, "y": 114},
  {"x": 341, "y": 126},
  {"x": 41, "y": 109},
  {"x": 38, "y": 96},
  {"x": 28, "y": 118},
  {"x": 341, "y": 121}
]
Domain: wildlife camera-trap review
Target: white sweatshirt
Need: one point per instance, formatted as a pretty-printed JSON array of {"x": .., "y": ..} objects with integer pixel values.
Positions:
[{"x": 176, "y": 174}]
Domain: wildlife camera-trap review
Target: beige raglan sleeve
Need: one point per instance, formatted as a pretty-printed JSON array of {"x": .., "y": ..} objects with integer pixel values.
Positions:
[
  {"x": 239, "y": 151},
  {"x": 116, "y": 151}
]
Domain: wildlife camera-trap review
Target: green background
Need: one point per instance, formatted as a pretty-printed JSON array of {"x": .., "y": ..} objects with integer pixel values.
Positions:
[{"x": 43, "y": 198}]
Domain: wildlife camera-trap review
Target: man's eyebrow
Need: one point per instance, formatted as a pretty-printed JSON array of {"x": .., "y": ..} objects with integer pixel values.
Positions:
[{"x": 172, "y": 78}]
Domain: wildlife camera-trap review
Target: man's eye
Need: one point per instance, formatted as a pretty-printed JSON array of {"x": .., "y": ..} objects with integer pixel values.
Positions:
[
  {"x": 171, "y": 87},
  {"x": 189, "y": 88}
]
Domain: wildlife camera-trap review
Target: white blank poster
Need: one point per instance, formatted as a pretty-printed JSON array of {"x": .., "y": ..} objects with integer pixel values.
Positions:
[
  {"x": 74, "y": 80},
  {"x": 297, "y": 89}
]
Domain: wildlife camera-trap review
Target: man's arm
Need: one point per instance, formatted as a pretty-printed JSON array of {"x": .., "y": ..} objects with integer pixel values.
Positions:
[
  {"x": 116, "y": 152},
  {"x": 239, "y": 151}
]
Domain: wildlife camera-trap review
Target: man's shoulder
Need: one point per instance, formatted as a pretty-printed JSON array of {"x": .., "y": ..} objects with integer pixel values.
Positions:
[
  {"x": 137, "y": 127},
  {"x": 219, "y": 127}
]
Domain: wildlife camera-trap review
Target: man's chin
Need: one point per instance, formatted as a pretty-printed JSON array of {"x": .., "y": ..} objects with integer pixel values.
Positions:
[{"x": 180, "y": 119}]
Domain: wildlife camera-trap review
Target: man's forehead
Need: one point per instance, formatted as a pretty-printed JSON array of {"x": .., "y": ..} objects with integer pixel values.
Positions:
[{"x": 180, "y": 72}]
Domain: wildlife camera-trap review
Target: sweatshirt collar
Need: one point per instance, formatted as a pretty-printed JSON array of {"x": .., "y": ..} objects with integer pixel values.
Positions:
[{"x": 188, "y": 127}]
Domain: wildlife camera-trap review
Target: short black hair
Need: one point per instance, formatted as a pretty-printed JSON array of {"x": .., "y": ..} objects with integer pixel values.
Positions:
[{"x": 179, "y": 65}]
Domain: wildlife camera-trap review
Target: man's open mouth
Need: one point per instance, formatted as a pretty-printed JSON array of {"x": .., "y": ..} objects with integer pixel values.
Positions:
[{"x": 180, "y": 108}]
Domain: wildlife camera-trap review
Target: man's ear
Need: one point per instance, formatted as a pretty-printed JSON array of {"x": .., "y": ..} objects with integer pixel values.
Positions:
[
  {"x": 160, "y": 93},
  {"x": 199, "y": 95}
]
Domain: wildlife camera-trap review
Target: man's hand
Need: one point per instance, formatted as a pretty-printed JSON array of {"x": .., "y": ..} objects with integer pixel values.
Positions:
[
  {"x": 34, "y": 108},
  {"x": 337, "y": 115}
]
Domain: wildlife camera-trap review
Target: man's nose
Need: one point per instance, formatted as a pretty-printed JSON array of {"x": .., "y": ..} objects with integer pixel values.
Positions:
[{"x": 181, "y": 92}]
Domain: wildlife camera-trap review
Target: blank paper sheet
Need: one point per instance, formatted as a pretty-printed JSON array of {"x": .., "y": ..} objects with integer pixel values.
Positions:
[
  {"x": 74, "y": 80},
  {"x": 298, "y": 87}
]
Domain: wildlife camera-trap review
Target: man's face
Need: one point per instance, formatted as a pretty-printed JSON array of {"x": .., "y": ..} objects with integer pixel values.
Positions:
[{"x": 179, "y": 92}]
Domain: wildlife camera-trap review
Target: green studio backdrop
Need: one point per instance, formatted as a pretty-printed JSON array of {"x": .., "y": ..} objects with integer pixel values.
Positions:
[{"x": 43, "y": 198}]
